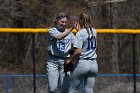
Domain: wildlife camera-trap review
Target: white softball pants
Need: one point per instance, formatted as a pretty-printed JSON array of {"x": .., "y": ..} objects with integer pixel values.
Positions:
[
  {"x": 84, "y": 70},
  {"x": 56, "y": 73}
]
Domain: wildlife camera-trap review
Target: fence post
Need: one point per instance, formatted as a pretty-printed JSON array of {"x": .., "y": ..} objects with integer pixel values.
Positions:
[
  {"x": 134, "y": 64},
  {"x": 7, "y": 84},
  {"x": 83, "y": 86},
  {"x": 34, "y": 62}
]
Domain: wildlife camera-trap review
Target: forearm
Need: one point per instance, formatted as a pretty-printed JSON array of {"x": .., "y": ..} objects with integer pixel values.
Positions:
[
  {"x": 64, "y": 34},
  {"x": 72, "y": 59},
  {"x": 74, "y": 56}
]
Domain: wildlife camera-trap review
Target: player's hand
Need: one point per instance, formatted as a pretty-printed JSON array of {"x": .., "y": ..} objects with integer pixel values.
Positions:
[
  {"x": 68, "y": 66},
  {"x": 77, "y": 26},
  {"x": 67, "y": 62},
  {"x": 72, "y": 25}
]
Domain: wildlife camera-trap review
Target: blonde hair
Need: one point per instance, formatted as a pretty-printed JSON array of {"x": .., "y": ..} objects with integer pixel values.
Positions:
[{"x": 85, "y": 22}]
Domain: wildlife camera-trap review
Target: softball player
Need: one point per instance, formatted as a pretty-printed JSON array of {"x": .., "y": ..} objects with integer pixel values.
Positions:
[
  {"x": 59, "y": 42},
  {"x": 85, "y": 65}
]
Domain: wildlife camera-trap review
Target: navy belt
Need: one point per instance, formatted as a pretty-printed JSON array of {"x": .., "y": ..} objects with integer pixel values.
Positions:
[
  {"x": 88, "y": 58},
  {"x": 51, "y": 55}
]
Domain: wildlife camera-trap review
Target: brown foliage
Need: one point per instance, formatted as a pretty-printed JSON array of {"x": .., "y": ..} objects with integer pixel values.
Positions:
[{"x": 114, "y": 51}]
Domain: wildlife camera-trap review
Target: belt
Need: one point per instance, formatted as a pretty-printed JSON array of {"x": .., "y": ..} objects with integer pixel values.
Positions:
[
  {"x": 51, "y": 55},
  {"x": 88, "y": 58}
]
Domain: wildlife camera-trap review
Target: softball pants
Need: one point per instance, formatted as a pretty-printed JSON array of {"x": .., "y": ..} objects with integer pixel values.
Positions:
[
  {"x": 56, "y": 73},
  {"x": 84, "y": 70}
]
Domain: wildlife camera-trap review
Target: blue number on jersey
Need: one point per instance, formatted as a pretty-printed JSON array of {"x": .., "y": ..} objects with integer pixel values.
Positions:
[
  {"x": 61, "y": 46},
  {"x": 91, "y": 43}
]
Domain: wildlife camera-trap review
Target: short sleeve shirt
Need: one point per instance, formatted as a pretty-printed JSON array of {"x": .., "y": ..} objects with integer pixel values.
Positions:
[
  {"x": 59, "y": 47},
  {"x": 87, "y": 43}
]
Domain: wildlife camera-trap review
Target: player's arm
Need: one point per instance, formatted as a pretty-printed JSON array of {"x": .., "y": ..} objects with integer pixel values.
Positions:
[
  {"x": 62, "y": 35},
  {"x": 75, "y": 55},
  {"x": 77, "y": 44}
]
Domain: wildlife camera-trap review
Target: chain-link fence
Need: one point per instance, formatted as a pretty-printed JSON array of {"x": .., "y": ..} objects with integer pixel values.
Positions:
[
  {"x": 105, "y": 83},
  {"x": 26, "y": 54},
  {"x": 117, "y": 83},
  {"x": 117, "y": 53}
]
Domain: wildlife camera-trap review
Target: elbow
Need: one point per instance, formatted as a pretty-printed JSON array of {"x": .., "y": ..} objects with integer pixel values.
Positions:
[{"x": 78, "y": 52}]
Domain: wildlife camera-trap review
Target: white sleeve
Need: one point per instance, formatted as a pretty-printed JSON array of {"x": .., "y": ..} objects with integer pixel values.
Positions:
[
  {"x": 52, "y": 31},
  {"x": 73, "y": 37},
  {"x": 78, "y": 43}
]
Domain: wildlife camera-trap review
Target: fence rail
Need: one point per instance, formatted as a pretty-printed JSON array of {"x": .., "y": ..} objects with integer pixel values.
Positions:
[
  {"x": 8, "y": 79},
  {"x": 43, "y": 30},
  {"x": 45, "y": 75},
  {"x": 8, "y": 82}
]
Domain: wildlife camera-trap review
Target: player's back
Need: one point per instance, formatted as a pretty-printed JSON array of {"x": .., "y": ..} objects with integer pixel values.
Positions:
[{"x": 88, "y": 38}]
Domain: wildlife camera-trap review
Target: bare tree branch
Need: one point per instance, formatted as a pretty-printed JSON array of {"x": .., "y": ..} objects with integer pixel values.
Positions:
[{"x": 105, "y": 2}]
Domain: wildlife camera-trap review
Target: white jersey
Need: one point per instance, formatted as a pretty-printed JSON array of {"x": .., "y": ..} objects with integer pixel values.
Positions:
[
  {"x": 88, "y": 44},
  {"x": 59, "y": 47}
]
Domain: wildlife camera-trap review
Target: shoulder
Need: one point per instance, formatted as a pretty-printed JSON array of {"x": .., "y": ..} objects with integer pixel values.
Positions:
[
  {"x": 81, "y": 32},
  {"x": 94, "y": 30},
  {"x": 52, "y": 29},
  {"x": 71, "y": 34}
]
